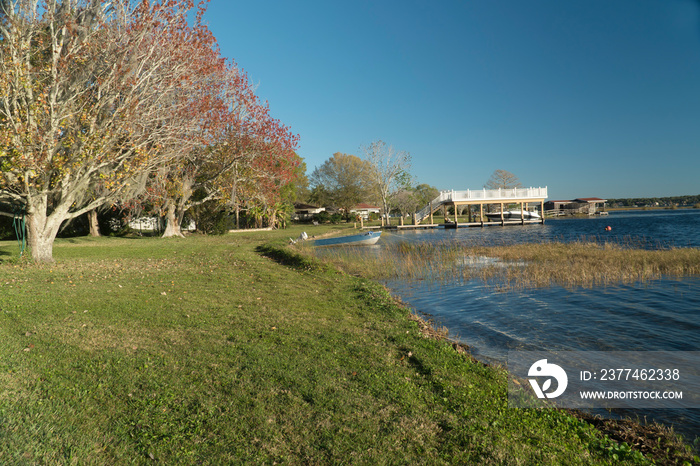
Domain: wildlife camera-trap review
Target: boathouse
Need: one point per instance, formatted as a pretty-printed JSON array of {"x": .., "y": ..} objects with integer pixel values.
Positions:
[
  {"x": 526, "y": 200},
  {"x": 557, "y": 205},
  {"x": 591, "y": 205},
  {"x": 581, "y": 205}
]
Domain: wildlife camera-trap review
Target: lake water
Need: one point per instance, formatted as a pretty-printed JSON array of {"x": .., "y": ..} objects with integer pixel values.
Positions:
[{"x": 661, "y": 315}]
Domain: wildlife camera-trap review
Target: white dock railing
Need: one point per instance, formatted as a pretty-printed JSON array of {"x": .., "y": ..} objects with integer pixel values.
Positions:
[{"x": 494, "y": 195}]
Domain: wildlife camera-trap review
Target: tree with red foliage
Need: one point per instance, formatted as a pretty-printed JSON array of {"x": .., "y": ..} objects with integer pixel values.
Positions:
[{"x": 248, "y": 158}]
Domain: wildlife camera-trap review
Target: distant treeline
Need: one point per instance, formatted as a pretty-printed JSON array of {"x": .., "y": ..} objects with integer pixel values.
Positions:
[{"x": 656, "y": 201}]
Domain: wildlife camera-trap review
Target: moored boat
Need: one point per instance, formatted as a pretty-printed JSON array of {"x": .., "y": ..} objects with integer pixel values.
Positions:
[
  {"x": 514, "y": 215},
  {"x": 361, "y": 239}
]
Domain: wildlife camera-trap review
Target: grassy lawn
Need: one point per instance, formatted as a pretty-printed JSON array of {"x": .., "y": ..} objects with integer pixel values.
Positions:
[{"x": 232, "y": 349}]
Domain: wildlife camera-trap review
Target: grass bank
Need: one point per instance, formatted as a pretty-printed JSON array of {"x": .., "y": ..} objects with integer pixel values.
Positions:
[{"x": 234, "y": 349}]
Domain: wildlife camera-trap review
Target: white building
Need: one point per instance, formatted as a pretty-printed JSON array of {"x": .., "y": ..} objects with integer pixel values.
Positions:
[{"x": 363, "y": 210}]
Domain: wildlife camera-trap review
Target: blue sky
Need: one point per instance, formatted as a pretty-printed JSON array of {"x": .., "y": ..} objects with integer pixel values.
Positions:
[{"x": 589, "y": 98}]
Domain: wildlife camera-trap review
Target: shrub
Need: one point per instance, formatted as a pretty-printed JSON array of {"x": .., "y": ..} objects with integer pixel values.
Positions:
[
  {"x": 7, "y": 230},
  {"x": 210, "y": 218},
  {"x": 111, "y": 222},
  {"x": 322, "y": 217}
]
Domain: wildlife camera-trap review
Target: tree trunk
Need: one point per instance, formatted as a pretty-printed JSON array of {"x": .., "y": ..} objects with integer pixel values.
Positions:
[
  {"x": 40, "y": 244},
  {"x": 177, "y": 208},
  {"x": 42, "y": 229},
  {"x": 172, "y": 226},
  {"x": 386, "y": 212},
  {"x": 94, "y": 226}
]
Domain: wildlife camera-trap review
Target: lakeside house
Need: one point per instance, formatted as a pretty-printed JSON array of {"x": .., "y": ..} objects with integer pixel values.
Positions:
[
  {"x": 306, "y": 211},
  {"x": 154, "y": 224},
  {"x": 363, "y": 210},
  {"x": 581, "y": 205}
]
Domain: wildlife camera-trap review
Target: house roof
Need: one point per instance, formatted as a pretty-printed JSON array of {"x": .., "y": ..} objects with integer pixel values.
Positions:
[
  {"x": 299, "y": 205},
  {"x": 365, "y": 206}
]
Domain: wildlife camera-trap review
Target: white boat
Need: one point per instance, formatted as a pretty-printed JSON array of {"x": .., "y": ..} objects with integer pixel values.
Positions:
[
  {"x": 370, "y": 237},
  {"x": 514, "y": 215}
]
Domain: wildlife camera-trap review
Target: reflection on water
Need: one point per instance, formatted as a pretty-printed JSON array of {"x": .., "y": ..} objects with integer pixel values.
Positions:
[{"x": 663, "y": 315}]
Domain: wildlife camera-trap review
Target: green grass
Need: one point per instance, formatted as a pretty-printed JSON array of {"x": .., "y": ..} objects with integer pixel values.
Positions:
[{"x": 233, "y": 349}]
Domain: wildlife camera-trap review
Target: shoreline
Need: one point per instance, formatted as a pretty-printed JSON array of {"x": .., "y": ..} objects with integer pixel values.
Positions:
[
  {"x": 648, "y": 438},
  {"x": 619, "y": 209}
]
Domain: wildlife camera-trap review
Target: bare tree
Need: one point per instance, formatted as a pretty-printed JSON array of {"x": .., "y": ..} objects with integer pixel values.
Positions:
[
  {"x": 405, "y": 200},
  {"x": 501, "y": 179},
  {"x": 390, "y": 170}
]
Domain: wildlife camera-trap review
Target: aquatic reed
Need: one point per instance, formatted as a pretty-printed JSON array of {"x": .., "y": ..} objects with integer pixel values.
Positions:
[{"x": 588, "y": 262}]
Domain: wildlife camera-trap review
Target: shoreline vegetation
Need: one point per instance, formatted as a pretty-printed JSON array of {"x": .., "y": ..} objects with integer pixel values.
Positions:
[
  {"x": 586, "y": 263},
  {"x": 668, "y": 207},
  {"x": 237, "y": 348}
]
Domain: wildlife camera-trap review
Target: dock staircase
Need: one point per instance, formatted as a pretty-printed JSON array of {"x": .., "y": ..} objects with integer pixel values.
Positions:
[{"x": 432, "y": 206}]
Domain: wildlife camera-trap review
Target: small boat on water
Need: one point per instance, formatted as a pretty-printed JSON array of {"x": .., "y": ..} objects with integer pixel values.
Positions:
[
  {"x": 514, "y": 215},
  {"x": 367, "y": 238}
]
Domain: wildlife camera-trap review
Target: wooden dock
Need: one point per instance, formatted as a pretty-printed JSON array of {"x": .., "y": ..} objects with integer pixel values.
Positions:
[
  {"x": 499, "y": 197},
  {"x": 413, "y": 227},
  {"x": 491, "y": 224},
  {"x": 525, "y": 198},
  {"x": 452, "y": 225}
]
